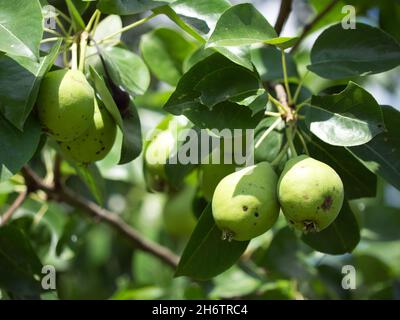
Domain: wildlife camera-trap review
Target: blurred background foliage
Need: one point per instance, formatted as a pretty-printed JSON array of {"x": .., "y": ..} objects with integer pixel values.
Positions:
[{"x": 94, "y": 262}]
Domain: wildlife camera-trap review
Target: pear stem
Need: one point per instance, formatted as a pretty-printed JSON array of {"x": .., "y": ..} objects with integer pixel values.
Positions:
[{"x": 74, "y": 58}]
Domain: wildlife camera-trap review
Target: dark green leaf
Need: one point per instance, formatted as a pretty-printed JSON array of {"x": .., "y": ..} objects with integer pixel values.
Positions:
[
  {"x": 361, "y": 51},
  {"x": 21, "y": 144},
  {"x": 20, "y": 80},
  {"x": 91, "y": 176},
  {"x": 283, "y": 256},
  {"x": 132, "y": 139},
  {"x": 123, "y": 7},
  {"x": 271, "y": 145},
  {"x": 164, "y": 51},
  {"x": 21, "y": 28},
  {"x": 225, "y": 84},
  {"x": 77, "y": 21},
  {"x": 382, "y": 223},
  {"x": 241, "y": 25},
  {"x": 382, "y": 154},
  {"x": 19, "y": 264},
  {"x": 106, "y": 97},
  {"x": 349, "y": 118},
  {"x": 200, "y": 14},
  {"x": 268, "y": 62},
  {"x": 127, "y": 70},
  {"x": 358, "y": 181},
  {"x": 207, "y": 255},
  {"x": 341, "y": 237}
]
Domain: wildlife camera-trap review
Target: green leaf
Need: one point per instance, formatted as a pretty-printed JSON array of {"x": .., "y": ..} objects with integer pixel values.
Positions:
[
  {"x": 130, "y": 125},
  {"x": 225, "y": 115},
  {"x": 132, "y": 140},
  {"x": 127, "y": 70},
  {"x": 20, "y": 80},
  {"x": 382, "y": 223},
  {"x": 349, "y": 118},
  {"x": 238, "y": 55},
  {"x": 77, "y": 21},
  {"x": 225, "y": 84},
  {"x": 21, "y": 28},
  {"x": 200, "y": 14},
  {"x": 268, "y": 62},
  {"x": 271, "y": 145},
  {"x": 358, "y": 181},
  {"x": 207, "y": 255},
  {"x": 19, "y": 264},
  {"x": 164, "y": 51},
  {"x": 361, "y": 51},
  {"x": 123, "y": 7},
  {"x": 341, "y": 237},
  {"x": 283, "y": 256},
  {"x": 106, "y": 97},
  {"x": 16, "y": 147},
  {"x": 382, "y": 154},
  {"x": 91, "y": 176},
  {"x": 242, "y": 24}
]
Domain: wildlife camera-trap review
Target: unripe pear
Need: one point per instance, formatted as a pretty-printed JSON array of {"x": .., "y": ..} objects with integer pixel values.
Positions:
[
  {"x": 310, "y": 193},
  {"x": 96, "y": 142},
  {"x": 65, "y": 104},
  {"x": 245, "y": 203},
  {"x": 179, "y": 220},
  {"x": 162, "y": 143}
]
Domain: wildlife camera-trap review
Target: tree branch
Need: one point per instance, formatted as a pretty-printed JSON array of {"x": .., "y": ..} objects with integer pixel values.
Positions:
[
  {"x": 284, "y": 12},
  {"x": 67, "y": 196},
  {"x": 11, "y": 210},
  {"x": 309, "y": 25}
]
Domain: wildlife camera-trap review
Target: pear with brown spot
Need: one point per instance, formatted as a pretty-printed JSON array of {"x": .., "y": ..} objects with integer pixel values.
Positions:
[
  {"x": 310, "y": 193},
  {"x": 96, "y": 142},
  {"x": 245, "y": 203}
]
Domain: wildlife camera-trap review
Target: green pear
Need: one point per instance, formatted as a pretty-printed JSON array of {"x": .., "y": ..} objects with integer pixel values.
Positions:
[
  {"x": 310, "y": 193},
  {"x": 65, "y": 104},
  {"x": 96, "y": 142},
  {"x": 245, "y": 203},
  {"x": 158, "y": 150},
  {"x": 179, "y": 220}
]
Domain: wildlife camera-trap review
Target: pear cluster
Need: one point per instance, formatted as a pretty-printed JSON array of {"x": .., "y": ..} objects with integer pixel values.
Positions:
[
  {"x": 70, "y": 113},
  {"x": 246, "y": 203}
]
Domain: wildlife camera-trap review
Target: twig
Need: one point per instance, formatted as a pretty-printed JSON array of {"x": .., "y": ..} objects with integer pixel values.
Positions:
[
  {"x": 284, "y": 12},
  {"x": 309, "y": 25},
  {"x": 57, "y": 171},
  {"x": 15, "y": 205},
  {"x": 282, "y": 97},
  {"x": 69, "y": 197}
]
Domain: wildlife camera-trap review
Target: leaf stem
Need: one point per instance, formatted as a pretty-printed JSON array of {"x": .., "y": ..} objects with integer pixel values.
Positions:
[
  {"x": 280, "y": 155},
  {"x": 53, "y": 32},
  {"x": 268, "y": 131},
  {"x": 49, "y": 40},
  {"x": 64, "y": 16},
  {"x": 61, "y": 26},
  {"x": 273, "y": 114},
  {"x": 285, "y": 77},
  {"x": 279, "y": 105},
  {"x": 92, "y": 20},
  {"x": 289, "y": 136},
  {"x": 129, "y": 27},
  {"x": 303, "y": 142},
  {"x": 298, "y": 89},
  {"x": 83, "y": 46}
]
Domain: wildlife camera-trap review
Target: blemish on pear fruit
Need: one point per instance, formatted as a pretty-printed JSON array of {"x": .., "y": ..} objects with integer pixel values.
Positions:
[
  {"x": 299, "y": 178},
  {"x": 245, "y": 203},
  {"x": 65, "y": 104}
]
